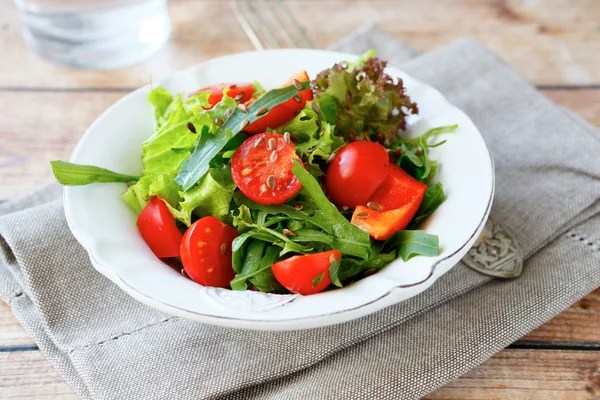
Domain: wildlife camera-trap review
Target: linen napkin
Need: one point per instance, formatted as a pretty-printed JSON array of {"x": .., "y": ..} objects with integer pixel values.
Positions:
[{"x": 108, "y": 346}]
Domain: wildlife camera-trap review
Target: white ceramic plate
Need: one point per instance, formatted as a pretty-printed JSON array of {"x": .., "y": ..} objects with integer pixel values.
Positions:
[{"x": 105, "y": 226}]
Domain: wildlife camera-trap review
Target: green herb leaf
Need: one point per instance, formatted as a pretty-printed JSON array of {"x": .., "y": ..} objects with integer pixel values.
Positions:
[
  {"x": 70, "y": 174},
  {"x": 434, "y": 197},
  {"x": 413, "y": 243},
  {"x": 334, "y": 269},
  {"x": 318, "y": 279},
  {"x": 348, "y": 239},
  {"x": 197, "y": 164},
  {"x": 351, "y": 268},
  {"x": 257, "y": 269},
  {"x": 306, "y": 235}
]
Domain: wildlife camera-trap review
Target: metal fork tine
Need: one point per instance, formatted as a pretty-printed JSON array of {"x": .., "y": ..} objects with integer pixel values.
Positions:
[
  {"x": 246, "y": 26},
  {"x": 276, "y": 23},
  {"x": 282, "y": 9},
  {"x": 261, "y": 24}
]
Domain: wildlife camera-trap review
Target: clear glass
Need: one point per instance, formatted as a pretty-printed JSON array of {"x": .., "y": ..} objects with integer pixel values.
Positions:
[{"x": 97, "y": 34}]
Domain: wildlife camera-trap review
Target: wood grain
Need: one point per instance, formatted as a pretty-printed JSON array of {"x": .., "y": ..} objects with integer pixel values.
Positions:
[
  {"x": 11, "y": 332},
  {"x": 508, "y": 375},
  {"x": 529, "y": 374},
  {"x": 548, "y": 42}
]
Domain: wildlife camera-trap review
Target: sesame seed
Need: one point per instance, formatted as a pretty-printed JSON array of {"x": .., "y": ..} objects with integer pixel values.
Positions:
[
  {"x": 298, "y": 206},
  {"x": 219, "y": 121},
  {"x": 315, "y": 107},
  {"x": 244, "y": 123},
  {"x": 263, "y": 188},
  {"x": 239, "y": 96},
  {"x": 262, "y": 110},
  {"x": 227, "y": 113},
  {"x": 297, "y": 84},
  {"x": 271, "y": 144},
  {"x": 289, "y": 232},
  {"x": 191, "y": 127},
  {"x": 286, "y": 137},
  {"x": 184, "y": 273},
  {"x": 321, "y": 132},
  {"x": 246, "y": 171},
  {"x": 273, "y": 156},
  {"x": 242, "y": 108},
  {"x": 260, "y": 141},
  {"x": 298, "y": 99},
  {"x": 224, "y": 248},
  {"x": 271, "y": 181},
  {"x": 345, "y": 208},
  {"x": 374, "y": 206},
  {"x": 362, "y": 215},
  {"x": 330, "y": 158}
]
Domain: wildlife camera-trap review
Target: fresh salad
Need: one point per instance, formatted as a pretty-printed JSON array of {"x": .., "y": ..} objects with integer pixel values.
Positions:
[{"x": 303, "y": 188}]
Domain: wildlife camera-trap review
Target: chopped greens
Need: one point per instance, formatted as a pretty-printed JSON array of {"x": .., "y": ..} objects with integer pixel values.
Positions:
[{"x": 189, "y": 157}]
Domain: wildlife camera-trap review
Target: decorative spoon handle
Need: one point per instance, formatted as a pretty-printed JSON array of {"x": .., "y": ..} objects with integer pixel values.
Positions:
[{"x": 496, "y": 253}]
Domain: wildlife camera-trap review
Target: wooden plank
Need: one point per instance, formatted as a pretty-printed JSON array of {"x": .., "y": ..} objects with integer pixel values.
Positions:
[
  {"x": 548, "y": 42},
  {"x": 510, "y": 374},
  {"x": 28, "y": 375},
  {"x": 529, "y": 374},
  {"x": 47, "y": 128},
  {"x": 12, "y": 333}
]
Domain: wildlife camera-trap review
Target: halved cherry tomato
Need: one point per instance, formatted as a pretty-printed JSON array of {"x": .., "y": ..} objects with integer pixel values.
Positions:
[
  {"x": 216, "y": 92},
  {"x": 307, "y": 274},
  {"x": 158, "y": 229},
  {"x": 206, "y": 252},
  {"x": 356, "y": 172},
  {"x": 399, "y": 196},
  {"x": 282, "y": 113},
  {"x": 262, "y": 169}
]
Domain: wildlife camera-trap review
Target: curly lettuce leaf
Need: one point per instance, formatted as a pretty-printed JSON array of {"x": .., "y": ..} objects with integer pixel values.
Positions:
[{"x": 368, "y": 101}]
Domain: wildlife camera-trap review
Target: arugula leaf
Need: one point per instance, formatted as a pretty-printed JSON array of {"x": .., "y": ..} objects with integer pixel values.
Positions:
[
  {"x": 348, "y": 239},
  {"x": 334, "y": 269},
  {"x": 257, "y": 269},
  {"x": 413, "y": 243},
  {"x": 196, "y": 165},
  {"x": 70, "y": 174},
  {"x": 434, "y": 197},
  {"x": 350, "y": 268},
  {"x": 414, "y": 156},
  {"x": 306, "y": 235},
  {"x": 318, "y": 279}
]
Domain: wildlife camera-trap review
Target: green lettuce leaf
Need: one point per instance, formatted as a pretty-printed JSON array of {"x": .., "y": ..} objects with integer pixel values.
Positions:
[
  {"x": 368, "y": 102},
  {"x": 159, "y": 100}
]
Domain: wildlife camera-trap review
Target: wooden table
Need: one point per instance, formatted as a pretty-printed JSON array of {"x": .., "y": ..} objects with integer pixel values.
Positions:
[{"x": 555, "y": 44}]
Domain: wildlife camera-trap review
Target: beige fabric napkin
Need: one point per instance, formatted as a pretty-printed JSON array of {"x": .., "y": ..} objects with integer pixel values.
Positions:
[{"x": 108, "y": 346}]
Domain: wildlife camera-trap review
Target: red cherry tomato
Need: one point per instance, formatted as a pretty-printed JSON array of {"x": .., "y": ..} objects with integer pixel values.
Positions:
[
  {"x": 216, "y": 92},
  {"x": 307, "y": 274},
  {"x": 206, "y": 252},
  {"x": 399, "y": 196},
  {"x": 158, "y": 229},
  {"x": 282, "y": 113},
  {"x": 356, "y": 172},
  {"x": 262, "y": 169}
]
